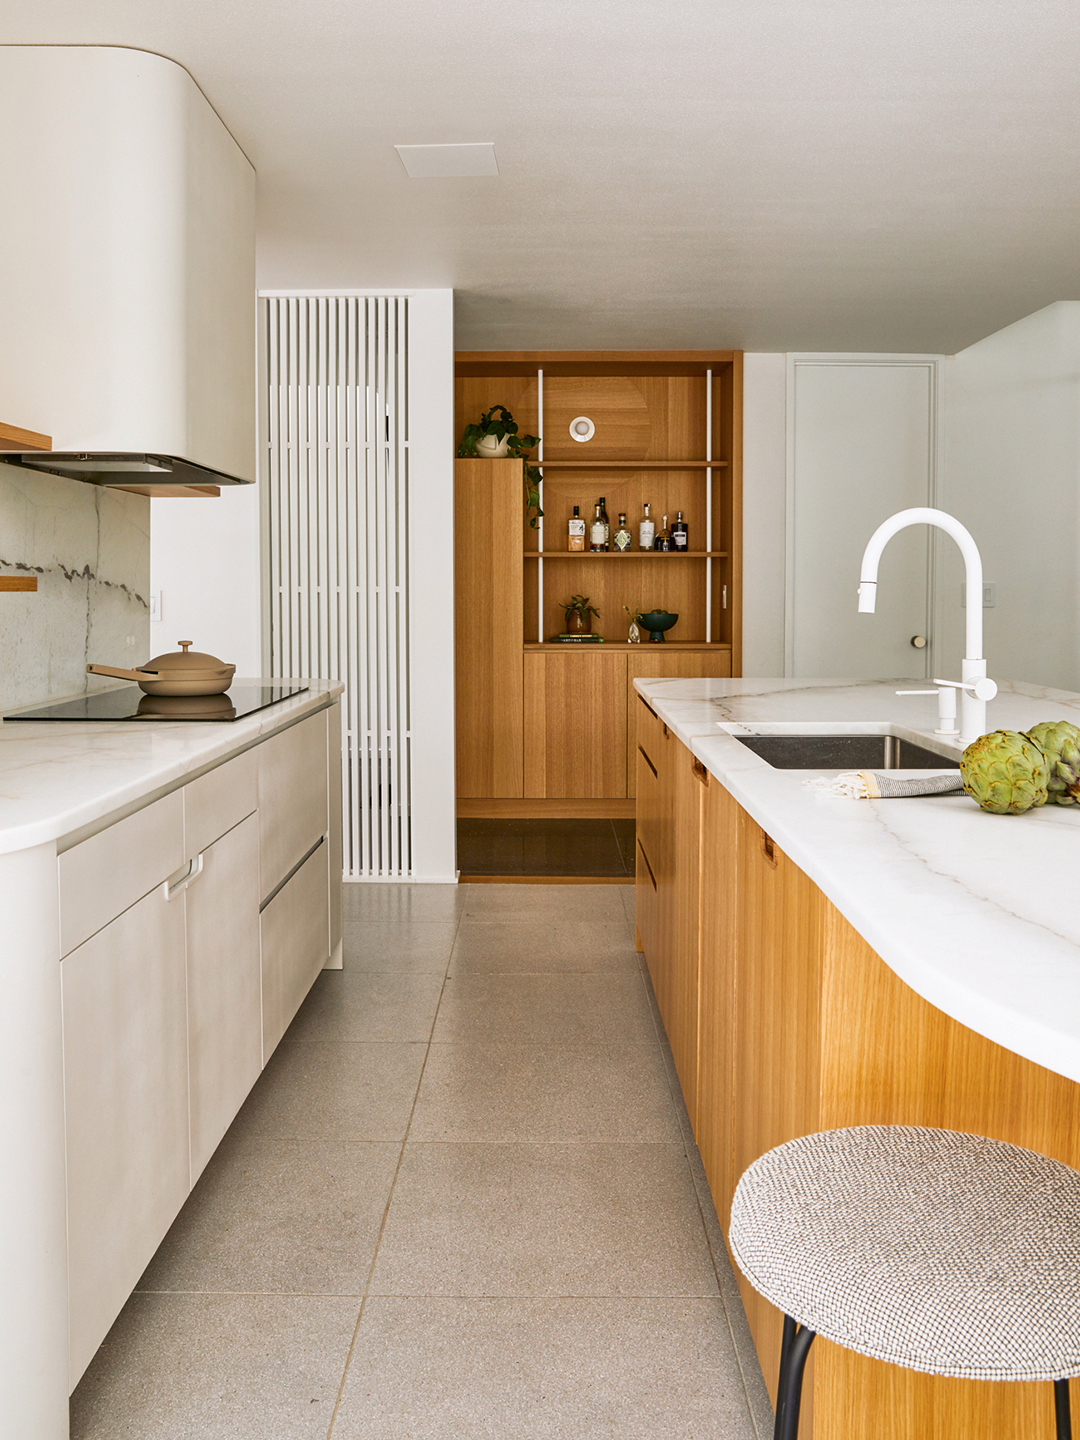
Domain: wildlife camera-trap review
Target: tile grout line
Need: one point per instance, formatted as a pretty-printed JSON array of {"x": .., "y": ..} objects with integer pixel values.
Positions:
[{"x": 393, "y": 1187}]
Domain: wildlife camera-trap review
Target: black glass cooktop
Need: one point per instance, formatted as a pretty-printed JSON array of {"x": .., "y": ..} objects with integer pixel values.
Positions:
[{"x": 129, "y": 703}]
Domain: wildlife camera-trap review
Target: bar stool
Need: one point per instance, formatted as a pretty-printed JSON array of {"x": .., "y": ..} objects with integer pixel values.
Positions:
[{"x": 937, "y": 1251}]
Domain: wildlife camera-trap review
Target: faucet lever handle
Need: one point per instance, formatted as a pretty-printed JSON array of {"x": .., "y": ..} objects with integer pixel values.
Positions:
[{"x": 982, "y": 689}]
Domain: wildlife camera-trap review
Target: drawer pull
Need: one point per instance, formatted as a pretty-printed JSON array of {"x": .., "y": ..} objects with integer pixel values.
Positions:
[
  {"x": 768, "y": 849},
  {"x": 648, "y": 867},
  {"x": 177, "y": 884},
  {"x": 700, "y": 771},
  {"x": 648, "y": 762}
]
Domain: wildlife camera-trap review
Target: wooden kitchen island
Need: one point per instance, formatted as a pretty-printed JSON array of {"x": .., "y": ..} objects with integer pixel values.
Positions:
[{"x": 783, "y": 1016}]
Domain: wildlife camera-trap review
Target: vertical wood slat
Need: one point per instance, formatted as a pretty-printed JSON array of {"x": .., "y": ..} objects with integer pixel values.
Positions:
[{"x": 336, "y": 469}]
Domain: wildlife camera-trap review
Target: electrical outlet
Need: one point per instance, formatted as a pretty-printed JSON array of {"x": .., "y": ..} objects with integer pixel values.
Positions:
[{"x": 989, "y": 595}]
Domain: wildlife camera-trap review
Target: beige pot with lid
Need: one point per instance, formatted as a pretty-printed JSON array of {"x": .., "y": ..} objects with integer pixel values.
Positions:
[{"x": 180, "y": 672}]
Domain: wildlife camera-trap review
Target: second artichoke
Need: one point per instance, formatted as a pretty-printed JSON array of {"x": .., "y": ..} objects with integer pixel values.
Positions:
[{"x": 1060, "y": 742}]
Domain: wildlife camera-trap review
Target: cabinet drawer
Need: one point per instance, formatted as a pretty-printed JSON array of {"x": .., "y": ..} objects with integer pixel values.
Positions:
[
  {"x": 293, "y": 800},
  {"x": 219, "y": 800},
  {"x": 126, "y": 1108},
  {"x": 295, "y": 928},
  {"x": 102, "y": 876}
]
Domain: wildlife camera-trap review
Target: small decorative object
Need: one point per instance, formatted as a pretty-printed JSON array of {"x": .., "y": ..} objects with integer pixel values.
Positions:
[
  {"x": 1005, "y": 772},
  {"x": 656, "y": 622},
  {"x": 1060, "y": 743},
  {"x": 634, "y": 637},
  {"x": 494, "y": 439},
  {"x": 579, "y": 615}
]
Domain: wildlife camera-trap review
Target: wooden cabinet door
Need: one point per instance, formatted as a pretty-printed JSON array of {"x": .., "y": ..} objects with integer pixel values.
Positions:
[
  {"x": 719, "y": 831},
  {"x": 575, "y": 724},
  {"x": 681, "y": 918},
  {"x": 650, "y": 739},
  {"x": 224, "y": 986},
  {"x": 126, "y": 1107},
  {"x": 662, "y": 662}
]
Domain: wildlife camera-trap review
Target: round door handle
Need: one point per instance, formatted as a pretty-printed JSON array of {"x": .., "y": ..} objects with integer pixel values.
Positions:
[{"x": 919, "y": 642}]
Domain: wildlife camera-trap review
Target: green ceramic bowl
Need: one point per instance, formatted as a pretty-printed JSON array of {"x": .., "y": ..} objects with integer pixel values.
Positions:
[{"x": 657, "y": 621}]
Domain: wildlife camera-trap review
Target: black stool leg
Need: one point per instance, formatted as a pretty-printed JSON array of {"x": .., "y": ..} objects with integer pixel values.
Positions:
[
  {"x": 793, "y": 1353},
  {"x": 1061, "y": 1410}
]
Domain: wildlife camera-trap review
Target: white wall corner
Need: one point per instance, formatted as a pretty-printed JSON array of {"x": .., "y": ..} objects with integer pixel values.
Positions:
[
  {"x": 764, "y": 505},
  {"x": 431, "y": 585}
]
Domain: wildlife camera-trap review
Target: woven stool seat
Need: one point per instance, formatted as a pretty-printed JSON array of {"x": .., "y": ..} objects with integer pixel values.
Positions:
[{"x": 941, "y": 1252}]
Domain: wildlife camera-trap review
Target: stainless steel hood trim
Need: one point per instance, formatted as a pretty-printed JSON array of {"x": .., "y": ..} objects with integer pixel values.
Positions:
[{"x": 119, "y": 467}]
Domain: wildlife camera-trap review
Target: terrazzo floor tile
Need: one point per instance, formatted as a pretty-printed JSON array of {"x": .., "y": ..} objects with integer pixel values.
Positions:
[
  {"x": 535, "y": 1220},
  {"x": 547, "y": 1009},
  {"x": 279, "y": 1216},
  {"x": 597, "y": 903},
  {"x": 498, "y": 945},
  {"x": 216, "y": 1367},
  {"x": 344, "y": 1091},
  {"x": 347, "y": 1005},
  {"x": 542, "y": 1370},
  {"x": 402, "y": 904},
  {"x": 498, "y": 1093},
  {"x": 381, "y": 946}
]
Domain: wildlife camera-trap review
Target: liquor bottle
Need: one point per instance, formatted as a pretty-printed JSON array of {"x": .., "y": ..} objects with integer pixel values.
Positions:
[
  {"x": 622, "y": 535},
  {"x": 680, "y": 537},
  {"x": 576, "y": 531},
  {"x": 607, "y": 523},
  {"x": 597, "y": 531},
  {"x": 646, "y": 530},
  {"x": 663, "y": 538}
]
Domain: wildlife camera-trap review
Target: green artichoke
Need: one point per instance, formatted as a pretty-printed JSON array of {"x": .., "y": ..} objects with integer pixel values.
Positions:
[
  {"x": 1005, "y": 772},
  {"x": 1060, "y": 743}
]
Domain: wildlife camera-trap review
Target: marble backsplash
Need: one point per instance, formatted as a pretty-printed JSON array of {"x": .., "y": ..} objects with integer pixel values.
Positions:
[{"x": 90, "y": 550}]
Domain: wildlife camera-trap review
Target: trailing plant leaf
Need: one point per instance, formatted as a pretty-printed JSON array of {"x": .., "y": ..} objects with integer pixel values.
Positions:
[{"x": 499, "y": 423}]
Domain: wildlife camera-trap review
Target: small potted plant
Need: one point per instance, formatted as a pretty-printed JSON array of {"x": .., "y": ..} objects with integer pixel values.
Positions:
[
  {"x": 495, "y": 437},
  {"x": 634, "y": 636},
  {"x": 579, "y": 615}
]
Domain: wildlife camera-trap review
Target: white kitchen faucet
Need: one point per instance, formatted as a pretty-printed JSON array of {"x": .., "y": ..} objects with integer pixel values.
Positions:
[{"x": 975, "y": 689}]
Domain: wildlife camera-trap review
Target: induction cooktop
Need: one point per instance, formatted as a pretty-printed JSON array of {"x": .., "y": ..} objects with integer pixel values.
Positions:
[{"x": 128, "y": 702}]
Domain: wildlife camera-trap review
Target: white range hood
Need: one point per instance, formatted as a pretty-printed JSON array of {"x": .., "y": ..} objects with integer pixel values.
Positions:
[{"x": 127, "y": 271}]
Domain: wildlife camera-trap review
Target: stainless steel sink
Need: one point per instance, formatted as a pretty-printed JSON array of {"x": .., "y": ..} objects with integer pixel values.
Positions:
[{"x": 845, "y": 752}]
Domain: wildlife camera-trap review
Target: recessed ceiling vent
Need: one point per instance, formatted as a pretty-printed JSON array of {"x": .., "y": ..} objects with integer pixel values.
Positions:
[{"x": 447, "y": 162}]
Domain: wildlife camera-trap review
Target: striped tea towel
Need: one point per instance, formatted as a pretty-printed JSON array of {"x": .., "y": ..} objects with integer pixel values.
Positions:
[{"x": 869, "y": 785}]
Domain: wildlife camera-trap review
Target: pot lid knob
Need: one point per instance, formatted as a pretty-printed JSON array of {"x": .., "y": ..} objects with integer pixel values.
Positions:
[{"x": 185, "y": 645}]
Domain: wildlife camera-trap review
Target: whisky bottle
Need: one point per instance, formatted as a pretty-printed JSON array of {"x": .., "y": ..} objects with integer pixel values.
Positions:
[
  {"x": 607, "y": 523},
  {"x": 576, "y": 531},
  {"x": 680, "y": 536},
  {"x": 597, "y": 531},
  {"x": 622, "y": 535},
  {"x": 663, "y": 538},
  {"x": 646, "y": 530}
]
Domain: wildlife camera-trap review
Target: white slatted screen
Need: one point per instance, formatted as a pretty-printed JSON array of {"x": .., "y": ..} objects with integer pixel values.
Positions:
[{"x": 336, "y": 480}]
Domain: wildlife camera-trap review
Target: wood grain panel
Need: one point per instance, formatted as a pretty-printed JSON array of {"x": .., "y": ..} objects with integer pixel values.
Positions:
[
  {"x": 776, "y": 1061},
  {"x": 888, "y": 1057},
  {"x": 488, "y": 634},
  {"x": 637, "y": 417},
  {"x": 575, "y": 723},
  {"x": 668, "y": 583},
  {"x": 719, "y": 948},
  {"x": 475, "y": 394},
  {"x": 660, "y": 663},
  {"x": 667, "y": 491},
  {"x": 13, "y": 437}
]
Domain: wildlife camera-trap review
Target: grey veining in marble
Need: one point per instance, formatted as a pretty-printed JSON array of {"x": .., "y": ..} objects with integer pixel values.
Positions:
[{"x": 89, "y": 548}]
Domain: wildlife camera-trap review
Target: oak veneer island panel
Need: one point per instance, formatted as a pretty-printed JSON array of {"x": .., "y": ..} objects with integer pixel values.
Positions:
[{"x": 802, "y": 1027}]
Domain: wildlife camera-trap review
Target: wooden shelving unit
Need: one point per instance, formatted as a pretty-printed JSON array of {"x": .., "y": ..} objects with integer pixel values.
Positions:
[{"x": 550, "y": 725}]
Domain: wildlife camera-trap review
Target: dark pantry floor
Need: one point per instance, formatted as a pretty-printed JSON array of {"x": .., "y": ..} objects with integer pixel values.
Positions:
[{"x": 599, "y": 849}]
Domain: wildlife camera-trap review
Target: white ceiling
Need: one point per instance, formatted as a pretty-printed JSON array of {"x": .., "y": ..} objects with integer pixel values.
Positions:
[{"x": 762, "y": 174}]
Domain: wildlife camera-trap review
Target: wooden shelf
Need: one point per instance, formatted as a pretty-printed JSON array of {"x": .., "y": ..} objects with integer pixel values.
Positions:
[
  {"x": 626, "y": 554},
  {"x": 629, "y": 464},
  {"x": 13, "y": 437},
  {"x": 609, "y": 645},
  {"x": 18, "y": 582}
]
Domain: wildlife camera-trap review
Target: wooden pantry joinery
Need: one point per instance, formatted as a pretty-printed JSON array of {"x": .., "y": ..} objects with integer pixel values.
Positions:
[{"x": 544, "y": 728}]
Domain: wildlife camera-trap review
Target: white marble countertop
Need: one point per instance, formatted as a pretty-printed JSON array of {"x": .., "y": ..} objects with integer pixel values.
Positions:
[
  {"x": 979, "y": 913},
  {"x": 58, "y": 778}
]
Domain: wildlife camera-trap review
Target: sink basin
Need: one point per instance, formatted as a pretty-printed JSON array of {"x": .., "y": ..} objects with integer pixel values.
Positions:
[{"x": 845, "y": 752}]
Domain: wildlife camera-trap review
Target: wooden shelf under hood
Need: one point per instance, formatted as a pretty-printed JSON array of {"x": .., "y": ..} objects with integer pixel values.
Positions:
[{"x": 13, "y": 437}]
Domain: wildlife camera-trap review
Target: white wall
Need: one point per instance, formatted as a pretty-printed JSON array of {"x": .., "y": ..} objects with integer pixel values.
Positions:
[
  {"x": 1012, "y": 475},
  {"x": 764, "y": 460},
  {"x": 127, "y": 273}
]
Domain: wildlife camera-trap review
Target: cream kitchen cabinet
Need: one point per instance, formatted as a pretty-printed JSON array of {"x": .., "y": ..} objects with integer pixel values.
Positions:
[{"x": 190, "y": 932}]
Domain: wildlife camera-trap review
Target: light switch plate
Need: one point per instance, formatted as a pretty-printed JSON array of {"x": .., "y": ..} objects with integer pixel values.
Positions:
[{"x": 989, "y": 595}]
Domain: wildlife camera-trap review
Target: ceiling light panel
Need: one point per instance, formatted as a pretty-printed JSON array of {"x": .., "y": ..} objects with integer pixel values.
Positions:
[{"x": 447, "y": 162}]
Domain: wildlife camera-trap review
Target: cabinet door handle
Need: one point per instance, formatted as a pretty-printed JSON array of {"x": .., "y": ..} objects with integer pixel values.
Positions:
[
  {"x": 177, "y": 884},
  {"x": 768, "y": 849},
  {"x": 700, "y": 771},
  {"x": 648, "y": 762}
]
